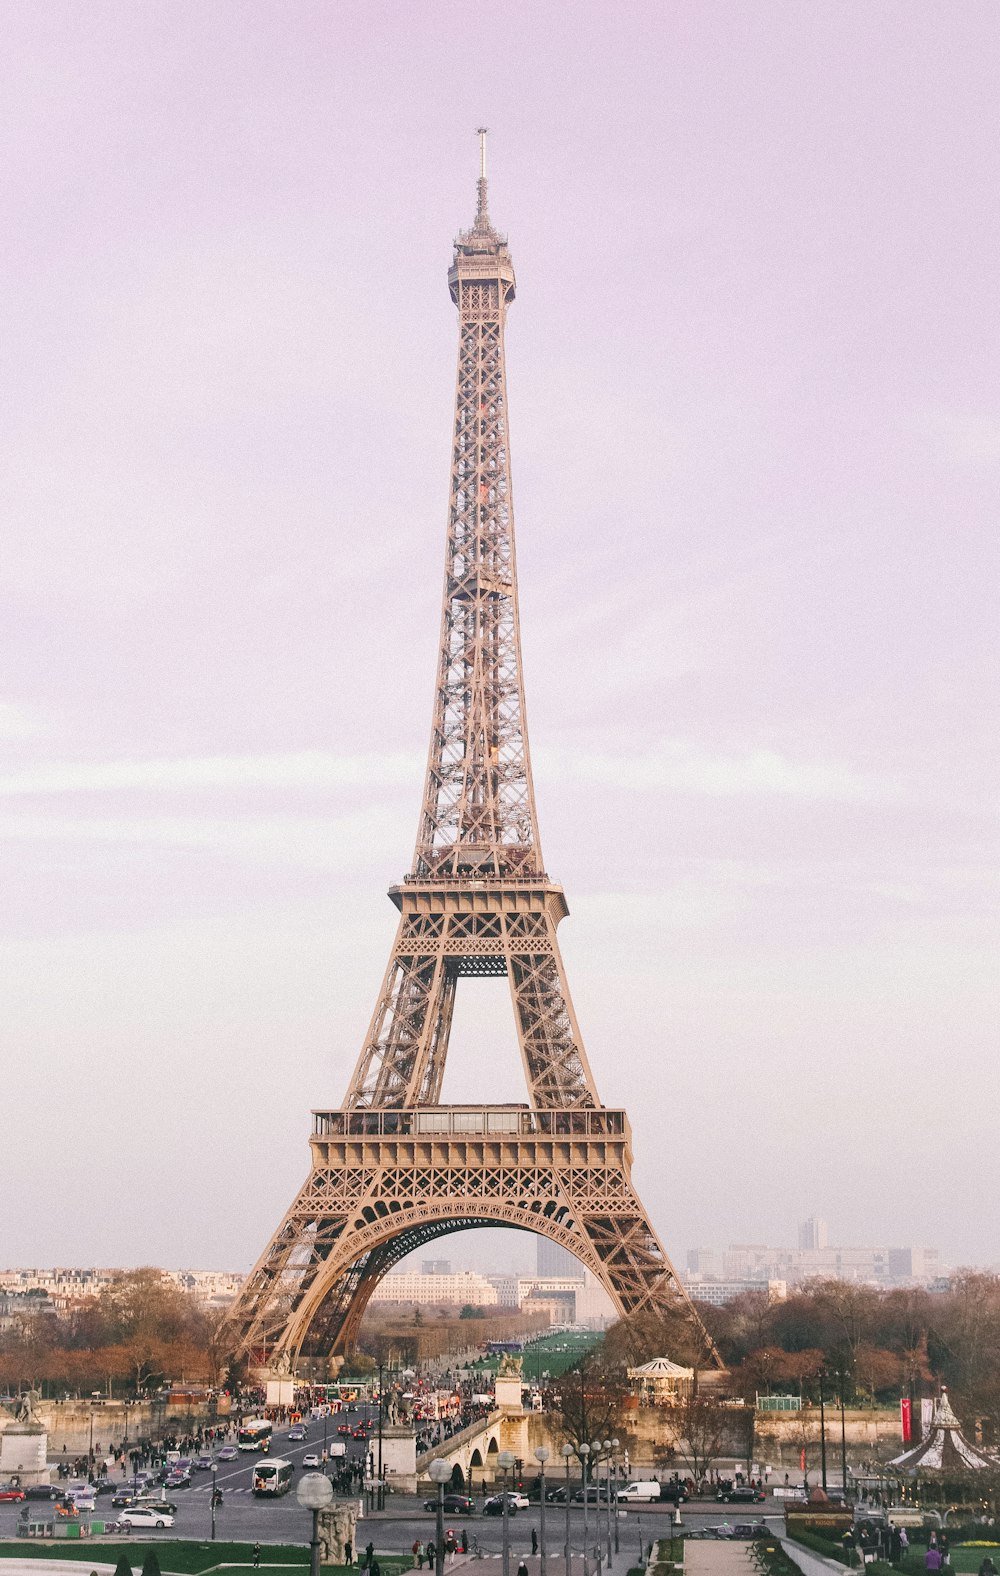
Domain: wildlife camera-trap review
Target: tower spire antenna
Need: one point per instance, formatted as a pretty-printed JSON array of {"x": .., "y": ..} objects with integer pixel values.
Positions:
[{"x": 482, "y": 212}]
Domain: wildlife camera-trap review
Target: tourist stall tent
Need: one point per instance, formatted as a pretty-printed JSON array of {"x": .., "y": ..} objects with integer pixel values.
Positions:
[{"x": 944, "y": 1448}]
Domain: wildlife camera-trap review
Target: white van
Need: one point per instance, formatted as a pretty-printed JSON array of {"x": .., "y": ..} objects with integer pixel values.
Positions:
[{"x": 639, "y": 1493}]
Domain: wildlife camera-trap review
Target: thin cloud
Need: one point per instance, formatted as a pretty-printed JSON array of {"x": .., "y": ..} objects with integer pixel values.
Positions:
[
  {"x": 309, "y": 841},
  {"x": 681, "y": 766},
  {"x": 678, "y": 765},
  {"x": 298, "y": 769}
]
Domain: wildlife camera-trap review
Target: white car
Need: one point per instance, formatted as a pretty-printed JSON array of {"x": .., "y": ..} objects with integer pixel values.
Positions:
[
  {"x": 143, "y": 1516},
  {"x": 83, "y": 1498},
  {"x": 310, "y": 1459},
  {"x": 519, "y": 1501}
]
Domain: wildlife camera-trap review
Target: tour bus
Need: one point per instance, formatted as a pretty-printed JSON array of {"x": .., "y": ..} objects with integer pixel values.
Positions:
[
  {"x": 255, "y": 1433},
  {"x": 272, "y": 1477}
]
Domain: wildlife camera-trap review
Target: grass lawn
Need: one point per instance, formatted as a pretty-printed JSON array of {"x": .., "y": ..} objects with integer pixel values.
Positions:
[{"x": 185, "y": 1557}]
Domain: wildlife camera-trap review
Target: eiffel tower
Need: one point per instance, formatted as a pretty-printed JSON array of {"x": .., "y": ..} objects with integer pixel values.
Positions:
[{"x": 393, "y": 1168}]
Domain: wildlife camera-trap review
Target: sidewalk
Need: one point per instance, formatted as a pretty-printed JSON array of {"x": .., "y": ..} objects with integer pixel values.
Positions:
[{"x": 722, "y": 1558}]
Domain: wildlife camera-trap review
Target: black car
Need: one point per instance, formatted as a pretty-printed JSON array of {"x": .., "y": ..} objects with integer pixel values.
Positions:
[
  {"x": 673, "y": 1493},
  {"x": 740, "y": 1494},
  {"x": 556, "y": 1496},
  {"x": 42, "y": 1491},
  {"x": 592, "y": 1495},
  {"x": 750, "y": 1530},
  {"x": 124, "y": 1497},
  {"x": 494, "y": 1506},
  {"x": 454, "y": 1504},
  {"x": 105, "y": 1486}
]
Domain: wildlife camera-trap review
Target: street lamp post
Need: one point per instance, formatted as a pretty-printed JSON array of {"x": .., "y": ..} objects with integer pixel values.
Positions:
[
  {"x": 567, "y": 1451},
  {"x": 609, "y": 1445},
  {"x": 822, "y": 1430},
  {"x": 615, "y": 1445},
  {"x": 215, "y": 1471},
  {"x": 440, "y": 1473},
  {"x": 584, "y": 1452},
  {"x": 842, "y": 1380},
  {"x": 314, "y": 1493},
  {"x": 506, "y": 1460},
  {"x": 381, "y": 1371},
  {"x": 596, "y": 1448},
  {"x": 541, "y": 1456}
]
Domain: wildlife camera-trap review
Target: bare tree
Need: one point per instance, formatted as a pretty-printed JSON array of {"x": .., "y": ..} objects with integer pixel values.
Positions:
[{"x": 701, "y": 1427}]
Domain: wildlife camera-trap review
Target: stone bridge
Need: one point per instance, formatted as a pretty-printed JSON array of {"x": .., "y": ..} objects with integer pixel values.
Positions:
[{"x": 472, "y": 1452}]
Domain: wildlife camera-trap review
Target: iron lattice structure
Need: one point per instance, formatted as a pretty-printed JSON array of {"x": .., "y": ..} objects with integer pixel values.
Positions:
[{"x": 393, "y": 1168}]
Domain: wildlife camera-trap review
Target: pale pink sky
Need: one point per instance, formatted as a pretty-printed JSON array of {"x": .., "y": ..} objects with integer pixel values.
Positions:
[{"x": 756, "y": 437}]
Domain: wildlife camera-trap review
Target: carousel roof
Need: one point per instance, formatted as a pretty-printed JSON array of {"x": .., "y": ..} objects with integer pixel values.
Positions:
[
  {"x": 945, "y": 1449},
  {"x": 661, "y": 1368}
]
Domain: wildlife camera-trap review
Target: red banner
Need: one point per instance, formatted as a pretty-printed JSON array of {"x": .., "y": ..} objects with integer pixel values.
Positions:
[
  {"x": 802, "y": 1459},
  {"x": 906, "y": 1419}
]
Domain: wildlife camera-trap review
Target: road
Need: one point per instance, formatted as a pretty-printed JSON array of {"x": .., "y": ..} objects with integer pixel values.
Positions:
[{"x": 244, "y": 1519}]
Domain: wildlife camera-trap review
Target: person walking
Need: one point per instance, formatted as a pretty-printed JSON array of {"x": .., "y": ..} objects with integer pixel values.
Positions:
[
  {"x": 932, "y": 1559},
  {"x": 431, "y": 1554},
  {"x": 522, "y": 1569},
  {"x": 534, "y": 1541},
  {"x": 418, "y": 1553}
]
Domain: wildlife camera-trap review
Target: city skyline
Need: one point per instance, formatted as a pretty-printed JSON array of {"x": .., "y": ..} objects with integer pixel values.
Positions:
[{"x": 756, "y": 441}]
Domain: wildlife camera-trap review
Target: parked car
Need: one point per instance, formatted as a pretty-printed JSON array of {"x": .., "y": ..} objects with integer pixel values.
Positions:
[
  {"x": 7, "y": 1492},
  {"x": 494, "y": 1506},
  {"x": 740, "y": 1494},
  {"x": 643, "y": 1492},
  {"x": 228, "y": 1453},
  {"x": 454, "y": 1504},
  {"x": 142, "y": 1516}
]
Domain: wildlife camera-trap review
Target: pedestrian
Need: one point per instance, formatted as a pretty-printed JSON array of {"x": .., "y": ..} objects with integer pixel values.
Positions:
[
  {"x": 431, "y": 1552},
  {"x": 534, "y": 1541},
  {"x": 522, "y": 1569},
  {"x": 932, "y": 1559},
  {"x": 987, "y": 1568},
  {"x": 256, "y": 1555},
  {"x": 465, "y": 1542},
  {"x": 375, "y": 1568},
  {"x": 369, "y": 1554},
  {"x": 904, "y": 1542}
]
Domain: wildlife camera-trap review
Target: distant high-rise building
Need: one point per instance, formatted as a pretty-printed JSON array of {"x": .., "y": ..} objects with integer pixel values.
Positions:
[
  {"x": 703, "y": 1262},
  {"x": 813, "y": 1234},
  {"x": 554, "y": 1260},
  {"x": 435, "y": 1267},
  {"x": 913, "y": 1264}
]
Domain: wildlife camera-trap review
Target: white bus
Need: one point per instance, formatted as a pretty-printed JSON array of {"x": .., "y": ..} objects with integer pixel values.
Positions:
[
  {"x": 255, "y": 1432},
  {"x": 272, "y": 1477}
]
